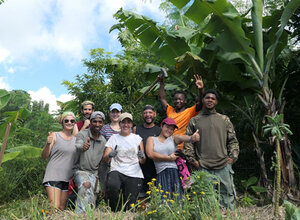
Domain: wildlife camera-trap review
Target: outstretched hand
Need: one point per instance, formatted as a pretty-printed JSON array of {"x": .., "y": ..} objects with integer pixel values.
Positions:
[
  {"x": 199, "y": 83},
  {"x": 195, "y": 137}
]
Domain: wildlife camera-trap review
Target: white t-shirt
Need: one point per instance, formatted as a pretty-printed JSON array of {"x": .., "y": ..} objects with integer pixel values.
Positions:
[{"x": 126, "y": 161}]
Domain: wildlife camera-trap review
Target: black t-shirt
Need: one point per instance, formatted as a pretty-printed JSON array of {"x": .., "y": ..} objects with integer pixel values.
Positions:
[{"x": 148, "y": 167}]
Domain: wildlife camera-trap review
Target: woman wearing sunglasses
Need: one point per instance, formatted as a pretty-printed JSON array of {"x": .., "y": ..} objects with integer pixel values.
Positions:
[{"x": 60, "y": 148}]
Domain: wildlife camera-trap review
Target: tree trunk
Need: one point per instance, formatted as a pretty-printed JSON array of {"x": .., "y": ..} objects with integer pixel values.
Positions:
[
  {"x": 263, "y": 170},
  {"x": 278, "y": 178}
]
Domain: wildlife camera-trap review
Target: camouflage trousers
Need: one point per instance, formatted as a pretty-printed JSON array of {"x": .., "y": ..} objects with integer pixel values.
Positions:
[
  {"x": 87, "y": 195},
  {"x": 227, "y": 189}
]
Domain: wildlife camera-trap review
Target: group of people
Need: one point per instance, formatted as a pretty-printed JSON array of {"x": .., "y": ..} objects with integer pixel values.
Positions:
[{"x": 117, "y": 160}]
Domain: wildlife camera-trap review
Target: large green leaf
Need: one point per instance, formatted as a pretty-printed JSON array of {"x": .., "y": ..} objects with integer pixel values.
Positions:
[
  {"x": 10, "y": 156},
  {"x": 286, "y": 15},
  {"x": 4, "y": 98},
  {"x": 26, "y": 151},
  {"x": 256, "y": 15},
  {"x": 291, "y": 211},
  {"x": 191, "y": 62},
  {"x": 225, "y": 25},
  {"x": 166, "y": 45}
]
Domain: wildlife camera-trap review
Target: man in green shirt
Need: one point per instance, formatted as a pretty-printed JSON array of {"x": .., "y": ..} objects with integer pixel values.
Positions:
[{"x": 218, "y": 147}]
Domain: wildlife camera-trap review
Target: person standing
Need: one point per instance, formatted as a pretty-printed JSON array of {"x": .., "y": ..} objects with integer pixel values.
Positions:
[
  {"x": 180, "y": 113},
  {"x": 218, "y": 147},
  {"x": 61, "y": 151},
  {"x": 89, "y": 169},
  {"x": 115, "y": 110},
  {"x": 124, "y": 152},
  {"x": 162, "y": 150},
  {"x": 87, "y": 108},
  {"x": 146, "y": 130}
]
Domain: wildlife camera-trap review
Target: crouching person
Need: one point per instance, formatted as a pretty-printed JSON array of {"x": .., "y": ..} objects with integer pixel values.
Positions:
[
  {"x": 125, "y": 151},
  {"x": 90, "y": 171}
]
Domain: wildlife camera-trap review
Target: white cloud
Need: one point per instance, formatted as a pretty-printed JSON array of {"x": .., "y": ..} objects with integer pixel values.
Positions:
[
  {"x": 11, "y": 70},
  {"x": 44, "y": 94},
  {"x": 66, "y": 28},
  {"x": 4, "y": 84}
]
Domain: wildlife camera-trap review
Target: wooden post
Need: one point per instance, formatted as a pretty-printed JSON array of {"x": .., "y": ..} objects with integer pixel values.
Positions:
[{"x": 4, "y": 142}]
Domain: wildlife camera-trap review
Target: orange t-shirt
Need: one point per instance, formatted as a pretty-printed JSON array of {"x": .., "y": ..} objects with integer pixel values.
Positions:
[{"x": 182, "y": 119}]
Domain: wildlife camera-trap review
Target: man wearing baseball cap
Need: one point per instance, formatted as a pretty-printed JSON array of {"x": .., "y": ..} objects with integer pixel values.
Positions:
[
  {"x": 89, "y": 169},
  {"x": 146, "y": 130}
]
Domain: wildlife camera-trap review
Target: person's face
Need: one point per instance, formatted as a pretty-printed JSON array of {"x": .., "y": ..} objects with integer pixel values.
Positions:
[
  {"x": 126, "y": 125},
  {"x": 87, "y": 111},
  {"x": 68, "y": 122},
  {"x": 148, "y": 116},
  {"x": 114, "y": 115},
  {"x": 210, "y": 101},
  {"x": 97, "y": 124},
  {"x": 179, "y": 101},
  {"x": 167, "y": 130}
]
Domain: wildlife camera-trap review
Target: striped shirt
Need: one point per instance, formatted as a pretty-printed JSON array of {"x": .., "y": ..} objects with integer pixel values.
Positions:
[{"x": 107, "y": 131}]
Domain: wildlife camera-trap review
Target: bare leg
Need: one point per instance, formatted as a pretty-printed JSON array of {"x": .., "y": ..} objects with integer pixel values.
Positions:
[
  {"x": 54, "y": 195},
  {"x": 63, "y": 199}
]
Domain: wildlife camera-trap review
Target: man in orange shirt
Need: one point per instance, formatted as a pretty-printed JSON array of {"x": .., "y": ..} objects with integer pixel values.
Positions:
[{"x": 180, "y": 113}]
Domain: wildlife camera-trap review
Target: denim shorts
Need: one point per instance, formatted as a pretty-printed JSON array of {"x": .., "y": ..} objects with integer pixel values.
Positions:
[{"x": 63, "y": 186}]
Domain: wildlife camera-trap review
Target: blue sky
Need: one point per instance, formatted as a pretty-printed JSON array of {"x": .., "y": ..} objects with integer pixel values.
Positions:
[{"x": 43, "y": 42}]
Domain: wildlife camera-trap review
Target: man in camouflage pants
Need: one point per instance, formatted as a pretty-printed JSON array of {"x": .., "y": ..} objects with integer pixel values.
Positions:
[{"x": 217, "y": 149}]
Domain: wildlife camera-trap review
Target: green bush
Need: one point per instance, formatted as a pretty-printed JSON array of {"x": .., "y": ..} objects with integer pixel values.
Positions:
[{"x": 20, "y": 178}]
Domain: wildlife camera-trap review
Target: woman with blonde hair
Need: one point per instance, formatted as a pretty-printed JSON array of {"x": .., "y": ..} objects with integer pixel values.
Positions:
[{"x": 61, "y": 151}]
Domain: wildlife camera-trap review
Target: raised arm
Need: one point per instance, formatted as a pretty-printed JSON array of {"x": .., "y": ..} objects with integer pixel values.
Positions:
[
  {"x": 162, "y": 93},
  {"x": 200, "y": 86},
  {"x": 157, "y": 156},
  {"x": 51, "y": 139}
]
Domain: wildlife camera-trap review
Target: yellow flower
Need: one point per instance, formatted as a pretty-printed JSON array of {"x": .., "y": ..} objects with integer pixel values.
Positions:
[
  {"x": 216, "y": 182},
  {"x": 157, "y": 190},
  {"x": 154, "y": 211},
  {"x": 159, "y": 185},
  {"x": 161, "y": 191},
  {"x": 198, "y": 177},
  {"x": 132, "y": 205},
  {"x": 149, "y": 183},
  {"x": 43, "y": 210},
  {"x": 188, "y": 198},
  {"x": 172, "y": 201},
  {"x": 153, "y": 180},
  {"x": 194, "y": 193},
  {"x": 148, "y": 192},
  {"x": 149, "y": 213},
  {"x": 46, "y": 212},
  {"x": 164, "y": 196},
  {"x": 138, "y": 201},
  {"x": 167, "y": 192},
  {"x": 183, "y": 211},
  {"x": 202, "y": 193},
  {"x": 139, "y": 206},
  {"x": 176, "y": 194}
]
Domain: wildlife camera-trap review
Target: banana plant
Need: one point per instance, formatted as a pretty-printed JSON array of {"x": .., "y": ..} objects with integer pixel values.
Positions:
[
  {"x": 278, "y": 130},
  {"x": 232, "y": 47}
]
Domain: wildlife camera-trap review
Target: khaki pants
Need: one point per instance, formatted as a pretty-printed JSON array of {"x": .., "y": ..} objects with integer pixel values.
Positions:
[{"x": 227, "y": 189}]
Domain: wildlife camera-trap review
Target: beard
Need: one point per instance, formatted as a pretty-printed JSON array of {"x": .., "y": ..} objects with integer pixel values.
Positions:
[{"x": 148, "y": 122}]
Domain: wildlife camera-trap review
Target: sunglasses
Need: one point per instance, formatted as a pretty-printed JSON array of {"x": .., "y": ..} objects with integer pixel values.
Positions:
[{"x": 67, "y": 121}]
